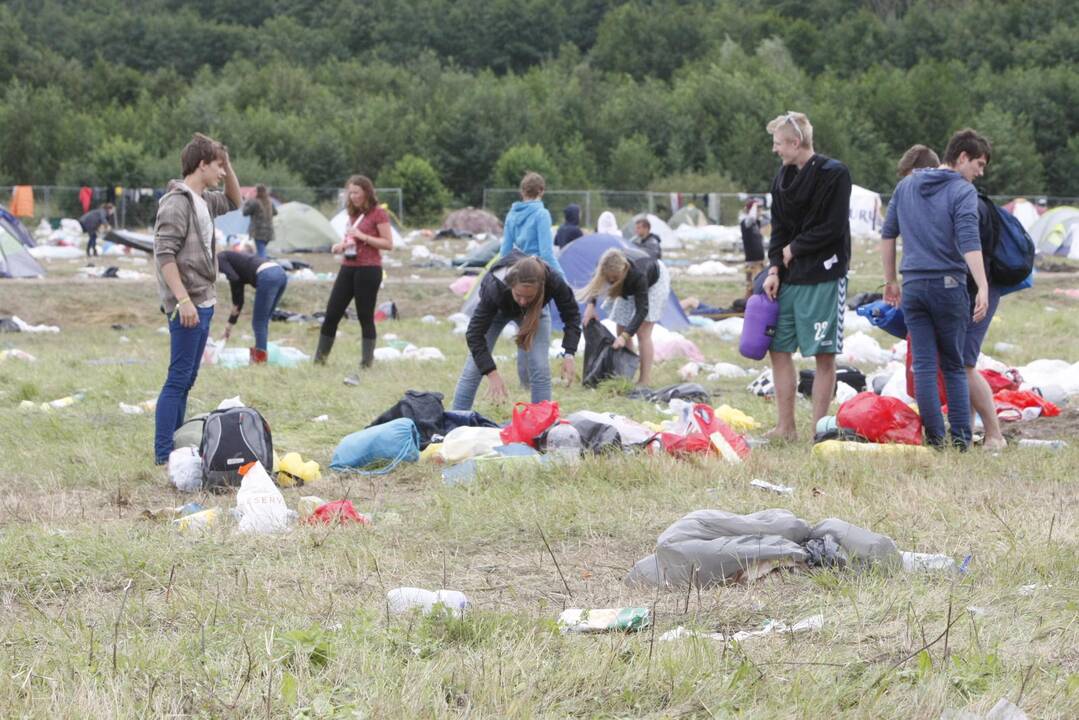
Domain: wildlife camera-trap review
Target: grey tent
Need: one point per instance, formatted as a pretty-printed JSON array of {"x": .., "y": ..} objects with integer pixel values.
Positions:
[
  {"x": 301, "y": 228},
  {"x": 15, "y": 260}
]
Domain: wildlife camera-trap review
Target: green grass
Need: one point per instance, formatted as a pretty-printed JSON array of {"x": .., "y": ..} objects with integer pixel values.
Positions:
[{"x": 106, "y": 614}]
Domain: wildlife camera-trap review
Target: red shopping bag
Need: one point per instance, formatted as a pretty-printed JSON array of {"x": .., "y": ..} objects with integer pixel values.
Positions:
[
  {"x": 529, "y": 422},
  {"x": 1025, "y": 399},
  {"x": 880, "y": 419}
]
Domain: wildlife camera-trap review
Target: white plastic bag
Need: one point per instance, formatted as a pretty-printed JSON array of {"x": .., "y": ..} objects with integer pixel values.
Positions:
[
  {"x": 403, "y": 599},
  {"x": 463, "y": 443},
  {"x": 185, "y": 469},
  {"x": 261, "y": 505}
]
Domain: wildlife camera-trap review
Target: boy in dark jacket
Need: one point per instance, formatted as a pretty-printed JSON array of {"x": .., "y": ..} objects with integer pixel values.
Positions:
[
  {"x": 808, "y": 256},
  {"x": 91, "y": 221},
  {"x": 185, "y": 258},
  {"x": 571, "y": 228}
]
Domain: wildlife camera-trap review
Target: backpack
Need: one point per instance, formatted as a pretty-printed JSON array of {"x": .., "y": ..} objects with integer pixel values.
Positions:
[
  {"x": 232, "y": 438},
  {"x": 1011, "y": 261}
]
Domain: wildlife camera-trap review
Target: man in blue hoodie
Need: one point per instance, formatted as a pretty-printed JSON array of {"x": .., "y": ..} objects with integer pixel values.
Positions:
[
  {"x": 528, "y": 224},
  {"x": 936, "y": 212},
  {"x": 571, "y": 229}
]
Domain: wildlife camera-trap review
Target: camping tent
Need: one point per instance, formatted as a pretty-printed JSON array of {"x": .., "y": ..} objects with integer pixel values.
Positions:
[
  {"x": 15, "y": 259},
  {"x": 1055, "y": 232},
  {"x": 865, "y": 212},
  {"x": 689, "y": 215},
  {"x": 667, "y": 238},
  {"x": 235, "y": 222},
  {"x": 339, "y": 223},
  {"x": 301, "y": 228},
  {"x": 579, "y": 260},
  {"x": 15, "y": 228},
  {"x": 473, "y": 220}
]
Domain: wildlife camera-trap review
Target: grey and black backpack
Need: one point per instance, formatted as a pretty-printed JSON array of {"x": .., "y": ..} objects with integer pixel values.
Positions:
[{"x": 230, "y": 439}]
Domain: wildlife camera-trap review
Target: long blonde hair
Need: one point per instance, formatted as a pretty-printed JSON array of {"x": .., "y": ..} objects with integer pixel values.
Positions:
[
  {"x": 612, "y": 264},
  {"x": 529, "y": 271}
]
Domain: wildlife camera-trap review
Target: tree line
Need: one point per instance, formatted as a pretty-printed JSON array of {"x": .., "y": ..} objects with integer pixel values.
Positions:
[{"x": 445, "y": 97}]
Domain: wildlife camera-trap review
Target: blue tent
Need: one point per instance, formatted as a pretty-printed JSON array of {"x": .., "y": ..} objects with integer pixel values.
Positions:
[
  {"x": 235, "y": 222},
  {"x": 579, "y": 260},
  {"x": 15, "y": 228}
]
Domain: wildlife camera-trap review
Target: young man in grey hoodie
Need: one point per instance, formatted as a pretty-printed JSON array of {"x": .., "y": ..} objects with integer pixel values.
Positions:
[
  {"x": 936, "y": 212},
  {"x": 185, "y": 256}
]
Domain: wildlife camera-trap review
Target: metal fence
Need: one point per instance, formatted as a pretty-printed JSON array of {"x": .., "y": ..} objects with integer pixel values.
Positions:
[
  {"x": 136, "y": 208},
  {"x": 719, "y": 207}
]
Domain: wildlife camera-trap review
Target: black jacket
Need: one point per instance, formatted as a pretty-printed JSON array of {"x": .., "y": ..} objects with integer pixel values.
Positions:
[
  {"x": 570, "y": 230},
  {"x": 240, "y": 269},
  {"x": 752, "y": 242},
  {"x": 650, "y": 244},
  {"x": 496, "y": 297},
  {"x": 642, "y": 275},
  {"x": 811, "y": 213}
]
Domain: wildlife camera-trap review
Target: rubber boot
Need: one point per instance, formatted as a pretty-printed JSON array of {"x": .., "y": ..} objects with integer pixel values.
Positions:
[
  {"x": 325, "y": 344},
  {"x": 257, "y": 357},
  {"x": 368, "y": 352}
]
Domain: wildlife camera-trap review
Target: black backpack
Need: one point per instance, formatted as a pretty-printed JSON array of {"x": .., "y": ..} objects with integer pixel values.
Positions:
[{"x": 232, "y": 438}]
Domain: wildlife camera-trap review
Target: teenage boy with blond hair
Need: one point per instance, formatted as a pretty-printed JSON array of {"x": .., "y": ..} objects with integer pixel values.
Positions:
[
  {"x": 185, "y": 256},
  {"x": 808, "y": 255}
]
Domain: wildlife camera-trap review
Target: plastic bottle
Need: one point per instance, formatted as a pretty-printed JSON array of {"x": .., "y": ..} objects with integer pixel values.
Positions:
[
  {"x": 915, "y": 562},
  {"x": 403, "y": 599},
  {"x": 64, "y": 401},
  {"x": 1048, "y": 444},
  {"x": 564, "y": 442}
]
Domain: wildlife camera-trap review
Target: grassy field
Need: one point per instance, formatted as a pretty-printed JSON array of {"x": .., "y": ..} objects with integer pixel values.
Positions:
[{"x": 104, "y": 613}]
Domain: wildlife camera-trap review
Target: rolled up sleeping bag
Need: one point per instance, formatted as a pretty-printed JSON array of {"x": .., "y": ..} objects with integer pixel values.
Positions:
[{"x": 758, "y": 326}]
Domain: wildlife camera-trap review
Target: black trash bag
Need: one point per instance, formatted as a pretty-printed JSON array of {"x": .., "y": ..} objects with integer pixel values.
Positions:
[
  {"x": 601, "y": 361},
  {"x": 423, "y": 408},
  {"x": 597, "y": 437},
  {"x": 844, "y": 373},
  {"x": 691, "y": 392}
]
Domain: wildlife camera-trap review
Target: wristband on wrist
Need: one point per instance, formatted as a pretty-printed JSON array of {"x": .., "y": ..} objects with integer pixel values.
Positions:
[{"x": 185, "y": 299}]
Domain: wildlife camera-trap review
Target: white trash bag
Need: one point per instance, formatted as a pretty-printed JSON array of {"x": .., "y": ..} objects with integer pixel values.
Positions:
[
  {"x": 185, "y": 469},
  {"x": 260, "y": 504}
]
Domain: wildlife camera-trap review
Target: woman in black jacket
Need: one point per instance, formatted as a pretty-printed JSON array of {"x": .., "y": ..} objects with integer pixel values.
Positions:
[
  {"x": 516, "y": 289},
  {"x": 637, "y": 287}
]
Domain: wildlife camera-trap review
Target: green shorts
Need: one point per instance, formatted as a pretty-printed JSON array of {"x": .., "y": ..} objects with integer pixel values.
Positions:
[{"x": 811, "y": 318}]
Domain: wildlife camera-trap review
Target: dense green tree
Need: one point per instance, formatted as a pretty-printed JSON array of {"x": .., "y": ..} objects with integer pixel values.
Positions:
[
  {"x": 613, "y": 91},
  {"x": 520, "y": 159},
  {"x": 423, "y": 193}
]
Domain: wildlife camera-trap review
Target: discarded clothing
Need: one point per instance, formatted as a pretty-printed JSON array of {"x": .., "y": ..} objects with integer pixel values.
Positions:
[
  {"x": 426, "y": 410},
  {"x": 713, "y": 547}
]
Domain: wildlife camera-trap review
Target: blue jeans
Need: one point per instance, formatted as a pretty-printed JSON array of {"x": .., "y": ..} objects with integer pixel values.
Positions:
[
  {"x": 185, "y": 355},
  {"x": 260, "y": 248},
  {"x": 937, "y": 312},
  {"x": 533, "y": 366},
  {"x": 268, "y": 292}
]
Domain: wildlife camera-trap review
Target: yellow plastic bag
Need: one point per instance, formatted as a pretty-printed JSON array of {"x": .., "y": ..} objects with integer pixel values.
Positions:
[
  {"x": 293, "y": 471},
  {"x": 432, "y": 453},
  {"x": 832, "y": 448},
  {"x": 738, "y": 420}
]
